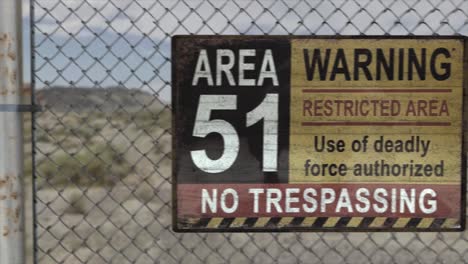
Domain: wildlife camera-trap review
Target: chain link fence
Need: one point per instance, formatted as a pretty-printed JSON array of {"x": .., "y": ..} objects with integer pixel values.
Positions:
[{"x": 102, "y": 148}]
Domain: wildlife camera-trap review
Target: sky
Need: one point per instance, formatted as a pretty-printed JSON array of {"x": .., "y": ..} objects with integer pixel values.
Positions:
[{"x": 127, "y": 42}]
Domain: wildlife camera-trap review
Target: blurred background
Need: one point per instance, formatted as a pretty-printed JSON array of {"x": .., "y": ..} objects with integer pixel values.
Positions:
[{"x": 102, "y": 154}]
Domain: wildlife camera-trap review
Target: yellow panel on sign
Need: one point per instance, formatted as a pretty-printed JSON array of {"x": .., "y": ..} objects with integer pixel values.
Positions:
[{"x": 376, "y": 110}]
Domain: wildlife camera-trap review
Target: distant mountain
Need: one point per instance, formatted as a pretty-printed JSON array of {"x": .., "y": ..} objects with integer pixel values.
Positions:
[{"x": 97, "y": 99}]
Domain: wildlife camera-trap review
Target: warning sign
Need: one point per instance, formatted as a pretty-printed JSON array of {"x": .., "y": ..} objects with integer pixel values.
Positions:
[{"x": 301, "y": 133}]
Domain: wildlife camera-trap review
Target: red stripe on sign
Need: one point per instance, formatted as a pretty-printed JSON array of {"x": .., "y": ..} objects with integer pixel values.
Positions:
[
  {"x": 376, "y": 90},
  {"x": 318, "y": 200},
  {"x": 376, "y": 123}
]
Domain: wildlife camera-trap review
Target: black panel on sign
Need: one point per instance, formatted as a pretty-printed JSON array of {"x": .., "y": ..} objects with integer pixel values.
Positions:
[{"x": 247, "y": 167}]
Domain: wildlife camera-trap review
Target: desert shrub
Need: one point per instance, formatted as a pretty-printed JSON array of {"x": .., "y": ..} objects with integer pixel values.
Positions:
[
  {"x": 77, "y": 204},
  {"x": 102, "y": 166},
  {"x": 42, "y": 136},
  {"x": 83, "y": 132},
  {"x": 149, "y": 121}
]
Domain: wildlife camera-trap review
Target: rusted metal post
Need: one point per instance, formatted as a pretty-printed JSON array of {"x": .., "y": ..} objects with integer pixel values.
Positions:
[{"x": 11, "y": 135}]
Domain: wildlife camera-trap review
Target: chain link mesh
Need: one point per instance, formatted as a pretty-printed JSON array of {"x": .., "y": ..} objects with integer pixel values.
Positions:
[{"x": 102, "y": 144}]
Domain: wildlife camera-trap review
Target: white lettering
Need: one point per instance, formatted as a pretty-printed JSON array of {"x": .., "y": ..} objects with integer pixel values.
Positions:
[
  {"x": 202, "y": 62},
  {"x": 431, "y": 202},
  {"x": 273, "y": 200},
  {"x": 327, "y": 200},
  {"x": 344, "y": 201},
  {"x": 364, "y": 200},
  {"x": 207, "y": 200},
  {"x": 243, "y": 66},
  {"x": 226, "y": 68},
  {"x": 308, "y": 193},
  {"x": 268, "y": 63},
  {"x": 380, "y": 199},
  {"x": 235, "y": 199},
  {"x": 290, "y": 200},
  {"x": 256, "y": 192}
]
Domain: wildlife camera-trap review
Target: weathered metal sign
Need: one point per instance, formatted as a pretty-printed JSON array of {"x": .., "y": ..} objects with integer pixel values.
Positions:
[{"x": 301, "y": 133}]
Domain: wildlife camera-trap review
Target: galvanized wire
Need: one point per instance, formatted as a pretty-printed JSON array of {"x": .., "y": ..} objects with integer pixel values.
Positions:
[{"x": 102, "y": 143}]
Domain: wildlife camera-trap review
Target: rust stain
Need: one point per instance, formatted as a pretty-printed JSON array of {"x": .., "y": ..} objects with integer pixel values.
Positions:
[
  {"x": 13, "y": 214},
  {"x": 9, "y": 53},
  {"x": 10, "y": 45},
  {"x": 13, "y": 79},
  {"x": 17, "y": 215},
  {"x": 4, "y": 37},
  {"x": 12, "y": 55},
  {"x": 26, "y": 90},
  {"x": 4, "y": 182},
  {"x": 3, "y": 92}
]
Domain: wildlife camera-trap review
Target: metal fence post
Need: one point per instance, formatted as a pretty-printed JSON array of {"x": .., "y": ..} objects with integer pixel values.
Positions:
[{"x": 11, "y": 135}]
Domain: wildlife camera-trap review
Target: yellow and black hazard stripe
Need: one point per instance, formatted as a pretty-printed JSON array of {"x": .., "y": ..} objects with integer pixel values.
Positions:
[{"x": 320, "y": 222}]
